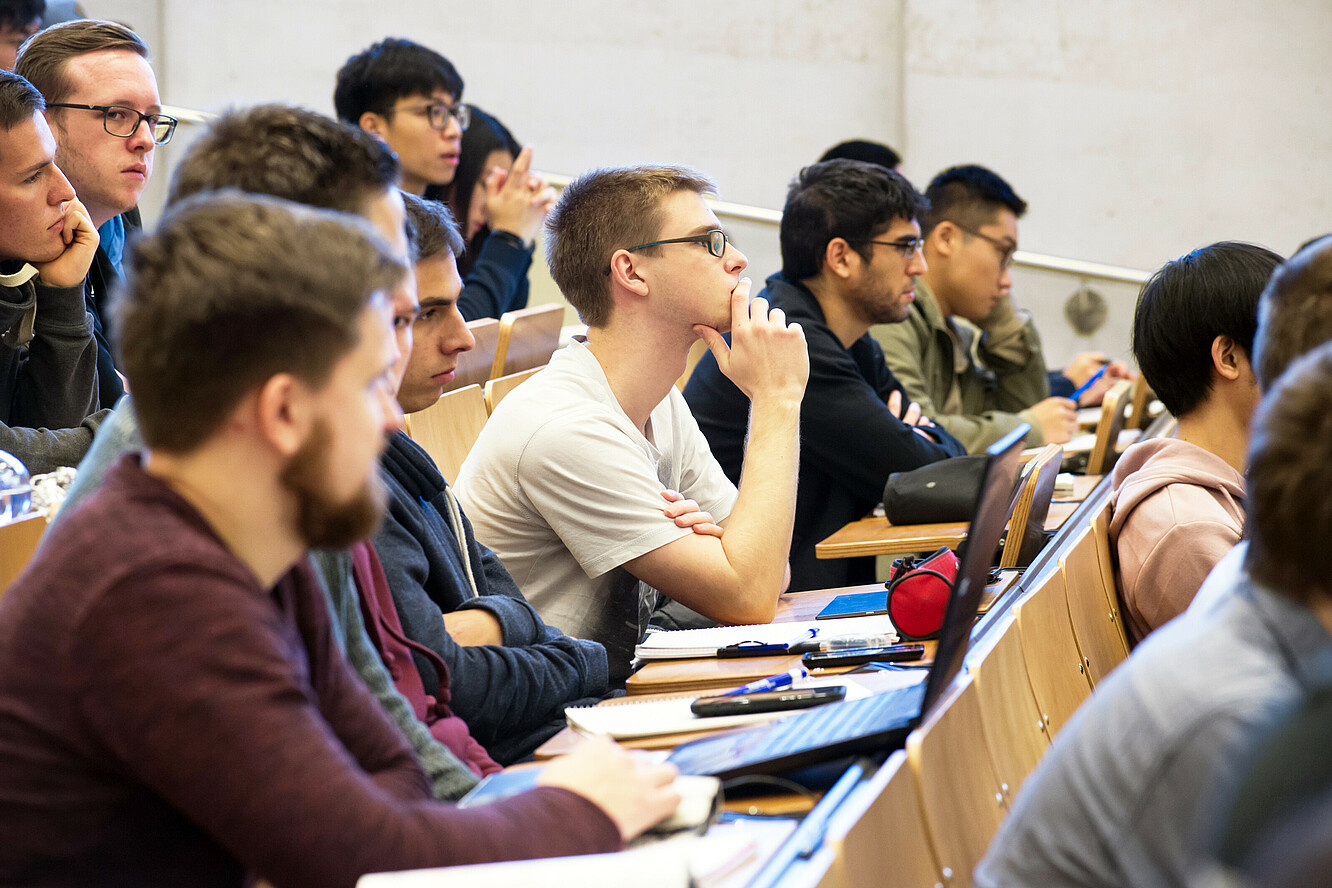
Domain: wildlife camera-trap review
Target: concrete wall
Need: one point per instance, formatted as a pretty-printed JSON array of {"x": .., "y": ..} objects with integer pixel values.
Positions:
[{"x": 1137, "y": 130}]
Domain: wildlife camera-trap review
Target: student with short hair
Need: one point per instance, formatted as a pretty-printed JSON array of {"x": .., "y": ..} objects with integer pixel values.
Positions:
[
  {"x": 48, "y": 357},
  {"x": 410, "y": 97},
  {"x": 1120, "y": 796},
  {"x": 566, "y": 480},
  {"x": 850, "y": 237},
  {"x": 1178, "y": 502},
  {"x": 173, "y": 705},
  {"x": 971, "y": 234}
]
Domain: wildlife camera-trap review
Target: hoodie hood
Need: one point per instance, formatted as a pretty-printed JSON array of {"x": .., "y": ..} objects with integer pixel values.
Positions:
[{"x": 1150, "y": 465}]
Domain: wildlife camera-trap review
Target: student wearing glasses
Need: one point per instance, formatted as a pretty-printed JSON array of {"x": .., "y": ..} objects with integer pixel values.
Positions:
[
  {"x": 410, "y": 97},
  {"x": 567, "y": 478},
  {"x": 106, "y": 115},
  {"x": 971, "y": 234},
  {"x": 850, "y": 250}
]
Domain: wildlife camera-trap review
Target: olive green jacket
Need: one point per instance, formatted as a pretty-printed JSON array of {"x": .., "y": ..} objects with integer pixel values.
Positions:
[{"x": 985, "y": 398}]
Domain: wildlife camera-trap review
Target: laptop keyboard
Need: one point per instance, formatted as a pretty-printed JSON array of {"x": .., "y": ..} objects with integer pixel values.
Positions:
[{"x": 797, "y": 735}]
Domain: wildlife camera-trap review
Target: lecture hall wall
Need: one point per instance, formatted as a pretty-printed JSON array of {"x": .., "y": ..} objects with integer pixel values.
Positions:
[{"x": 1136, "y": 129}]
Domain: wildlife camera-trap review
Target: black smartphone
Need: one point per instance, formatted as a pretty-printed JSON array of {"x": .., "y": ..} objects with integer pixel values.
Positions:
[
  {"x": 767, "y": 701},
  {"x": 893, "y": 653}
]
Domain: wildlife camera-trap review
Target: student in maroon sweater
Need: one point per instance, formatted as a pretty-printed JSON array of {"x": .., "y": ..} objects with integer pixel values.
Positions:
[{"x": 173, "y": 709}]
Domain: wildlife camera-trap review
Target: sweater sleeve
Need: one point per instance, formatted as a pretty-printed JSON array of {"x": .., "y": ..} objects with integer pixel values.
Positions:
[
  {"x": 213, "y": 712},
  {"x": 497, "y": 282},
  {"x": 45, "y": 450},
  {"x": 57, "y": 383}
]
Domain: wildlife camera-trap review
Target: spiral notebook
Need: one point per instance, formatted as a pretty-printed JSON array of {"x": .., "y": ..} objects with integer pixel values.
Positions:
[{"x": 682, "y": 643}]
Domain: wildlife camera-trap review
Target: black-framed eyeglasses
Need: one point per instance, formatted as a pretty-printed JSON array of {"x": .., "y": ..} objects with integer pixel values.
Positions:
[
  {"x": 122, "y": 121},
  {"x": 1006, "y": 250},
  {"x": 437, "y": 114},
  {"x": 907, "y": 246},
  {"x": 715, "y": 240}
]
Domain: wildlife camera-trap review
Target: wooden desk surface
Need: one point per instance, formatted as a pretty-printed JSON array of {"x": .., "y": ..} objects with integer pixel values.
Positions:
[{"x": 876, "y": 536}]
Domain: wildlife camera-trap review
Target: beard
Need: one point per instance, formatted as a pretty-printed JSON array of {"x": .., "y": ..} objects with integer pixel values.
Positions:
[{"x": 322, "y": 522}]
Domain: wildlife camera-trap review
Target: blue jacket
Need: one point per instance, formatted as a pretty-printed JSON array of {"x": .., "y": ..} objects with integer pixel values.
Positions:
[{"x": 512, "y": 696}]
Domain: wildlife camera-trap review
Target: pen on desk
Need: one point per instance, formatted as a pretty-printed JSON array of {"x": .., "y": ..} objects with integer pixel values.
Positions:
[
  {"x": 771, "y": 683},
  {"x": 845, "y": 643},
  {"x": 1091, "y": 381}
]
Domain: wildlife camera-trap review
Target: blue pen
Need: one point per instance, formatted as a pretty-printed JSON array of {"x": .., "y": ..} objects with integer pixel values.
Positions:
[
  {"x": 1082, "y": 389},
  {"x": 771, "y": 683}
]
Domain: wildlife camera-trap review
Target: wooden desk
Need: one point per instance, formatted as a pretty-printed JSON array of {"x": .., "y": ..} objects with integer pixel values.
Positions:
[{"x": 876, "y": 536}]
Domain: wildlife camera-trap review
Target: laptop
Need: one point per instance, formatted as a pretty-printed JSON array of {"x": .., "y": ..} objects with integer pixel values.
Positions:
[{"x": 882, "y": 721}]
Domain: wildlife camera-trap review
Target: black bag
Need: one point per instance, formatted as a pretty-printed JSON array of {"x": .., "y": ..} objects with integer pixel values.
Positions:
[{"x": 943, "y": 491}]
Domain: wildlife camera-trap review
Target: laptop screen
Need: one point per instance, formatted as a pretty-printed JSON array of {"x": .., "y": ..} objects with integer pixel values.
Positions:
[{"x": 977, "y": 554}]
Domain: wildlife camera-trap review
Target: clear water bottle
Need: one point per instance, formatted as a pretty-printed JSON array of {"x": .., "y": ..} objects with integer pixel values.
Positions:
[{"x": 15, "y": 487}]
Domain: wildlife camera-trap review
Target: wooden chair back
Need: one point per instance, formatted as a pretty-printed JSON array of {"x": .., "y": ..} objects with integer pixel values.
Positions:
[
  {"x": 1026, "y": 527},
  {"x": 527, "y": 338},
  {"x": 474, "y": 365},
  {"x": 1100, "y": 639},
  {"x": 884, "y": 843},
  {"x": 1105, "y": 450},
  {"x": 448, "y": 428},
  {"x": 1105, "y": 560},
  {"x": 960, "y": 799},
  {"x": 497, "y": 388},
  {"x": 1054, "y": 665},
  {"x": 1015, "y": 732},
  {"x": 18, "y": 542},
  {"x": 1142, "y": 396}
]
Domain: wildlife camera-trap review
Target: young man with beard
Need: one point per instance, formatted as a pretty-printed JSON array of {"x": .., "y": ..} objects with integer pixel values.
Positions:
[
  {"x": 850, "y": 251},
  {"x": 175, "y": 708},
  {"x": 106, "y": 114}
]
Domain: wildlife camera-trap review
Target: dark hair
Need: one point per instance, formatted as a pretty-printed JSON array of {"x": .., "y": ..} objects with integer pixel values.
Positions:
[
  {"x": 864, "y": 150},
  {"x": 603, "y": 211},
  {"x": 431, "y": 229},
  {"x": 17, "y": 13},
  {"x": 969, "y": 196},
  {"x": 1289, "y": 521},
  {"x": 1295, "y": 313},
  {"x": 1190, "y": 301},
  {"x": 375, "y": 78},
  {"x": 231, "y": 289},
  {"x": 18, "y": 100},
  {"x": 850, "y": 199},
  {"x": 288, "y": 152},
  {"x": 42, "y": 58},
  {"x": 484, "y": 135}
]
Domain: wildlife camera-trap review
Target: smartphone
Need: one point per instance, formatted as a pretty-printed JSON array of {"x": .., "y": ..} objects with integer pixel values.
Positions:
[
  {"x": 767, "y": 701},
  {"x": 893, "y": 653}
]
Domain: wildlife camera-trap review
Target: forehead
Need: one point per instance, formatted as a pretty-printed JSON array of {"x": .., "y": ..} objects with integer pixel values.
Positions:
[
  {"x": 900, "y": 227},
  {"x": 386, "y": 213},
  {"x": 684, "y": 212},
  {"x": 437, "y": 278},
  {"x": 26, "y": 143},
  {"x": 1003, "y": 224},
  {"x": 113, "y": 75},
  {"x": 370, "y": 353}
]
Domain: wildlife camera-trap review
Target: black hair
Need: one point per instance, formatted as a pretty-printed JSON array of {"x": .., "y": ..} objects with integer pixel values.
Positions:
[
  {"x": 969, "y": 196},
  {"x": 17, "y": 13},
  {"x": 375, "y": 78},
  {"x": 863, "y": 149},
  {"x": 1211, "y": 292},
  {"x": 850, "y": 199},
  {"x": 431, "y": 229},
  {"x": 484, "y": 135}
]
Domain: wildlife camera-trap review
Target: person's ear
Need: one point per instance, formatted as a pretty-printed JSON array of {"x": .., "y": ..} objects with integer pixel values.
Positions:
[
  {"x": 839, "y": 259},
  {"x": 944, "y": 239},
  {"x": 626, "y": 272},
  {"x": 374, "y": 124},
  {"x": 1228, "y": 359},
  {"x": 283, "y": 412}
]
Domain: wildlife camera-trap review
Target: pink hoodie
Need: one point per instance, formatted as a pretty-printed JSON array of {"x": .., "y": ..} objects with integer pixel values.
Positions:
[{"x": 1177, "y": 510}]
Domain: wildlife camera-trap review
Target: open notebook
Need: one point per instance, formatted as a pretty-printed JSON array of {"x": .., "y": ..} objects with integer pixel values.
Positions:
[{"x": 682, "y": 643}]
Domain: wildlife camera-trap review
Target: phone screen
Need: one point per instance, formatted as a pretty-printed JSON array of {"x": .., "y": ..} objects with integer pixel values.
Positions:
[{"x": 767, "y": 701}]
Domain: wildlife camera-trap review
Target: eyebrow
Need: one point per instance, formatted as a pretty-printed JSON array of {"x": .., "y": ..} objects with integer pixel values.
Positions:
[
  {"x": 36, "y": 167},
  {"x": 705, "y": 228},
  {"x": 437, "y": 301}
]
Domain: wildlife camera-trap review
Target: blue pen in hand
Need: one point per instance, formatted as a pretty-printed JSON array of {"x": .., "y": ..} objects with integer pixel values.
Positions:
[
  {"x": 771, "y": 683},
  {"x": 1091, "y": 381}
]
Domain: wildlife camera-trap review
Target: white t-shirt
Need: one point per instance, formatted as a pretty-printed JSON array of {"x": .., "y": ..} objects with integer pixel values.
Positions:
[{"x": 565, "y": 489}]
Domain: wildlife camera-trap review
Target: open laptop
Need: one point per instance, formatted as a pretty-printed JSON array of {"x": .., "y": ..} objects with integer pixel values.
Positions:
[{"x": 881, "y": 721}]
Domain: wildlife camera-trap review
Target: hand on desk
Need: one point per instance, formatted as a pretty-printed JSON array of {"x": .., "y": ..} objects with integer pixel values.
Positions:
[
  {"x": 686, "y": 513},
  {"x": 634, "y": 793}
]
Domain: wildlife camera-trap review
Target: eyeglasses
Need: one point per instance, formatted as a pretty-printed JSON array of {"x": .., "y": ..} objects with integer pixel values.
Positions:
[
  {"x": 437, "y": 114},
  {"x": 123, "y": 122},
  {"x": 715, "y": 240},
  {"x": 907, "y": 246},
  {"x": 1006, "y": 250}
]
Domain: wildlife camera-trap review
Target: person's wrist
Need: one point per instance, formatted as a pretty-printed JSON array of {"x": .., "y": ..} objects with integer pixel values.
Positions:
[{"x": 514, "y": 240}]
